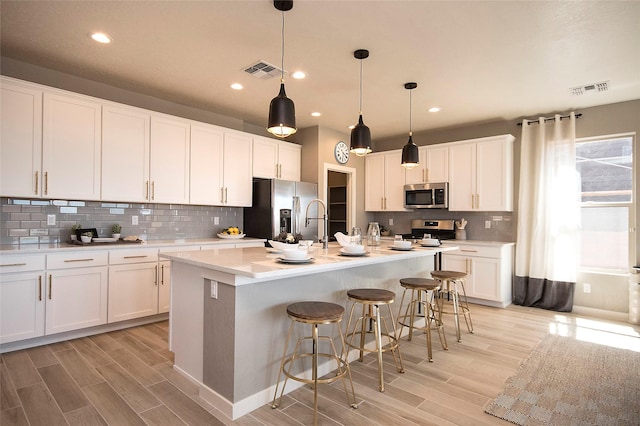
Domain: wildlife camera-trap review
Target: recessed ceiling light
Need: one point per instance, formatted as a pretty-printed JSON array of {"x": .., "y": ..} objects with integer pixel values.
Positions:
[
  {"x": 298, "y": 75},
  {"x": 316, "y": 114},
  {"x": 434, "y": 109},
  {"x": 101, "y": 38},
  {"x": 237, "y": 86}
]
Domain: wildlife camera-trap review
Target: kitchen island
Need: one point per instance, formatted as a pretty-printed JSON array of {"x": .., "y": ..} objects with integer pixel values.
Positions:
[{"x": 228, "y": 316}]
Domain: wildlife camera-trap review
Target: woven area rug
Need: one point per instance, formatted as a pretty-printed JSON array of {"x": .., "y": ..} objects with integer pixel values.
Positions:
[{"x": 569, "y": 382}]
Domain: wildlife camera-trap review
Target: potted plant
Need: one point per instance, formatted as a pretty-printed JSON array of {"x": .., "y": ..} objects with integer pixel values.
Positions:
[
  {"x": 86, "y": 237},
  {"x": 115, "y": 231},
  {"x": 74, "y": 228}
]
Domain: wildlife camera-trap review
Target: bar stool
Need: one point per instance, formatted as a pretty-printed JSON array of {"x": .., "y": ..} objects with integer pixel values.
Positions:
[
  {"x": 450, "y": 280},
  {"x": 371, "y": 299},
  {"x": 420, "y": 287},
  {"x": 315, "y": 313}
]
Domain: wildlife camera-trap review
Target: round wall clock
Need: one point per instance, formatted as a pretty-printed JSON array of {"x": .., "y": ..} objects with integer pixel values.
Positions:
[{"x": 341, "y": 152}]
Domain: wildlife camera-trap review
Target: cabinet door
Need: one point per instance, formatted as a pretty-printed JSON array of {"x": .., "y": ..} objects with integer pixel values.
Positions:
[
  {"x": 206, "y": 186},
  {"x": 462, "y": 180},
  {"x": 452, "y": 262},
  {"x": 289, "y": 157},
  {"x": 265, "y": 153},
  {"x": 133, "y": 291},
  {"x": 393, "y": 182},
  {"x": 21, "y": 306},
  {"x": 169, "y": 163},
  {"x": 76, "y": 298},
  {"x": 164, "y": 286},
  {"x": 71, "y": 144},
  {"x": 494, "y": 175},
  {"x": 484, "y": 281},
  {"x": 20, "y": 141},
  {"x": 125, "y": 154},
  {"x": 437, "y": 163},
  {"x": 238, "y": 186},
  {"x": 374, "y": 183}
]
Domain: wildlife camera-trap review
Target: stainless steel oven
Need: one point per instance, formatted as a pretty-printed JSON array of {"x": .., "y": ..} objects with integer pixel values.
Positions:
[{"x": 426, "y": 196}]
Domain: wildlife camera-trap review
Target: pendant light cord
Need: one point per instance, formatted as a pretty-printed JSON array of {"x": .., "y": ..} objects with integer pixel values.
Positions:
[
  {"x": 282, "y": 57},
  {"x": 410, "y": 115},
  {"x": 361, "y": 86}
]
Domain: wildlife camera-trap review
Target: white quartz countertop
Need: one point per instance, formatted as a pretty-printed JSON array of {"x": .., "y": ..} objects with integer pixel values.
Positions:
[
  {"x": 177, "y": 243},
  {"x": 261, "y": 264}
]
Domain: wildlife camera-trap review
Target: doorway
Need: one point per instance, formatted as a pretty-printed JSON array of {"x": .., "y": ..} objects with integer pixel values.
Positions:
[{"x": 339, "y": 194}]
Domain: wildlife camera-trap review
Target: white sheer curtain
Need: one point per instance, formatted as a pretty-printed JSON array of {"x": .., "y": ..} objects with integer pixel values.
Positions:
[{"x": 547, "y": 246}]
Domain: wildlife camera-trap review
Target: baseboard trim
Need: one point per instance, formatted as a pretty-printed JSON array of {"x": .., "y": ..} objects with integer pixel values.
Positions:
[{"x": 601, "y": 313}]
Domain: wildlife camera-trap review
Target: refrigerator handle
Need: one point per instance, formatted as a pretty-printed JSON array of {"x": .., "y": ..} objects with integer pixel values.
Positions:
[{"x": 295, "y": 228}]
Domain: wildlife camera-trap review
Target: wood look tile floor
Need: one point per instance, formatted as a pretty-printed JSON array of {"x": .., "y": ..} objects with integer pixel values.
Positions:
[{"x": 126, "y": 378}]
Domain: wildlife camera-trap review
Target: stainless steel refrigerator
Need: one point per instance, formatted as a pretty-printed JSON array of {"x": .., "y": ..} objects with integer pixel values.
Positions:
[{"x": 279, "y": 206}]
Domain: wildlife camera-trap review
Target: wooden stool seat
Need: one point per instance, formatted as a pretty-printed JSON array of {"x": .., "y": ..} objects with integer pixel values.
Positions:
[
  {"x": 371, "y": 322},
  {"x": 315, "y": 312},
  {"x": 416, "y": 283},
  {"x": 374, "y": 296},
  {"x": 448, "y": 275}
]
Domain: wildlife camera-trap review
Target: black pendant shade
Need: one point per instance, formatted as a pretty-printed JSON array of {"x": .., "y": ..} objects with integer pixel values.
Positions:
[
  {"x": 282, "y": 115},
  {"x": 410, "y": 155},
  {"x": 282, "y": 111},
  {"x": 410, "y": 158},
  {"x": 360, "y": 139}
]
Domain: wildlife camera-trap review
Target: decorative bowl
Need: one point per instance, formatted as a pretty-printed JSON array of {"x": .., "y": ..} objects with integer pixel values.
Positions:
[
  {"x": 231, "y": 237},
  {"x": 294, "y": 254},
  {"x": 402, "y": 244},
  {"x": 355, "y": 248}
]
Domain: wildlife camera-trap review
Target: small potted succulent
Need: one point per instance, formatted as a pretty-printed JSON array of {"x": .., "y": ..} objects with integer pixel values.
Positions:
[
  {"x": 115, "y": 231},
  {"x": 74, "y": 228},
  {"x": 86, "y": 237}
]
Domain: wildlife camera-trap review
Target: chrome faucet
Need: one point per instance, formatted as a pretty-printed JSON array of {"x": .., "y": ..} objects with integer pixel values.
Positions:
[{"x": 325, "y": 219}]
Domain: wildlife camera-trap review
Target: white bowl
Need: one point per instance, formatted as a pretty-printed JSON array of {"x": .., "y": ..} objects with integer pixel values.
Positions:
[
  {"x": 355, "y": 248},
  {"x": 430, "y": 242},
  {"x": 282, "y": 246},
  {"x": 295, "y": 254},
  {"x": 402, "y": 244}
]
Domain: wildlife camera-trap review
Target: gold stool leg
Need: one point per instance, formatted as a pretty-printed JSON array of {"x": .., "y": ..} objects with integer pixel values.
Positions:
[
  {"x": 344, "y": 356},
  {"x": 427, "y": 321},
  {"x": 378, "y": 337},
  {"x": 394, "y": 343},
  {"x": 465, "y": 308},
  {"x": 284, "y": 356},
  {"x": 314, "y": 372},
  {"x": 435, "y": 294}
]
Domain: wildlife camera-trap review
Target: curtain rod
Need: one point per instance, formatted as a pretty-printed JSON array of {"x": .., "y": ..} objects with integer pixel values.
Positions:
[{"x": 530, "y": 122}]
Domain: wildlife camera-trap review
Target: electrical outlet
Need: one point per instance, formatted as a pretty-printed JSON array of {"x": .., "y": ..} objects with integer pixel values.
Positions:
[
  {"x": 51, "y": 219},
  {"x": 216, "y": 220},
  {"x": 390, "y": 221},
  {"x": 134, "y": 220},
  {"x": 214, "y": 289},
  {"x": 487, "y": 224},
  {"x": 586, "y": 288}
]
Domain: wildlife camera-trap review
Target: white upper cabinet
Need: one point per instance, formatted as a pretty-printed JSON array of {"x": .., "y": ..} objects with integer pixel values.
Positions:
[
  {"x": 207, "y": 144},
  {"x": 481, "y": 174},
  {"x": 237, "y": 182},
  {"x": 71, "y": 147},
  {"x": 169, "y": 160},
  {"x": 433, "y": 167},
  {"x": 125, "y": 154},
  {"x": 20, "y": 140},
  {"x": 384, "y": 181},
  {"x": 275, "y": 159}
]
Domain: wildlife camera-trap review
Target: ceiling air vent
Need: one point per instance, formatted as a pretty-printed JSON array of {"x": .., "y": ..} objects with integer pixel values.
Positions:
[
  {"x": 263, "y": 70},
  {"x": 601, "y": 86}
]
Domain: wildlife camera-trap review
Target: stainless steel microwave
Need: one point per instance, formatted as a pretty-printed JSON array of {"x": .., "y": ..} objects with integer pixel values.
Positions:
[{"x": 426, "y": 196}]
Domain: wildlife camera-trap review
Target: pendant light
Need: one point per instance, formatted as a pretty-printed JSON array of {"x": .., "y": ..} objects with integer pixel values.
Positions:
[
  {"x": 360, "y": 134},
  {"x": 282, "y": 111},
  {"x": 410, "y": 157}
]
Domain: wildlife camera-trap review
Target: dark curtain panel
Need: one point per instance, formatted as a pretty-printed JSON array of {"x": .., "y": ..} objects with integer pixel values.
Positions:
[{"x": 543, "y": 293}]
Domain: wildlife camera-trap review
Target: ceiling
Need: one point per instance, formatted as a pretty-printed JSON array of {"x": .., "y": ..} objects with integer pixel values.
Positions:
[{"x": 478, "y": 61}]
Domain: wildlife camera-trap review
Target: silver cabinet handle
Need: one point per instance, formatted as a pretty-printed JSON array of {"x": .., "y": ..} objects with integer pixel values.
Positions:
[
  {"x": 136, "y": 257},
  {"x": 153, "y": 189},
  {"x": 36, "y": 183},
  {"x": 226, "y": 193},
  {"x": 469, "y": 251},
  {"x": 13, "y": 264},
  {"x": 40, "y": 288},
  {"x": 146, "y": 191},
  {"x": 50, "y": 279},
  {"x": 79, "y": 260},
  {"x": 162, "y": 274},
  {"x": 46, "y": 183},
  {"x": 155, "y": 282}
]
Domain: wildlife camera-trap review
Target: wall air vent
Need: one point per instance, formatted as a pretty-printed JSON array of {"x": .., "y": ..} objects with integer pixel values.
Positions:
[
  {"x": 263, "y": 70},
  {"x": 601, "y": 86}
]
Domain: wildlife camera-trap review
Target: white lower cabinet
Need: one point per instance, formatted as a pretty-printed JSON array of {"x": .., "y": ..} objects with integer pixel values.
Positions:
[
  {"x": 76, "y": 291},
  {"x": 489, "y": 269},
  {"x": 133, "y": 284},
  {"x": 22, "y": 306}
]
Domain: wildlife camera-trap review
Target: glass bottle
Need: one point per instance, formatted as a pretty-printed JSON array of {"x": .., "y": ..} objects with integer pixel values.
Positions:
[{"x": 373, "y": 234}]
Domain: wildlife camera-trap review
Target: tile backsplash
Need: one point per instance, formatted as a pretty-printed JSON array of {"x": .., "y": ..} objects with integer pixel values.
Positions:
[{"x": 33, "y": 221}]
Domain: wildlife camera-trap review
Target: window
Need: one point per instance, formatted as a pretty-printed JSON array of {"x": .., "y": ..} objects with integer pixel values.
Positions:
[{"x": 605, "y": 166}]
